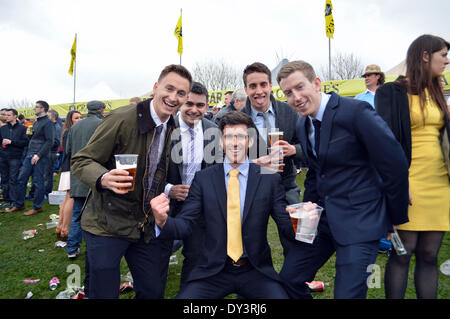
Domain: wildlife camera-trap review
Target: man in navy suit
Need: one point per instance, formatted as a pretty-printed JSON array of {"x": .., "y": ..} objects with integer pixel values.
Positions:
[
  {"x": 357, "y": 173},
  {"x": 219, "y": 271},
  {"x": 195, "y": 146}
]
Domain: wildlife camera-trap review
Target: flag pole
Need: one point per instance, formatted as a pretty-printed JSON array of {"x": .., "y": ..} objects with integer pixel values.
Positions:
[
  {"x": 329, "y": 59},
  {"x": 75, "y": 70},
  {"x": 181, "y": 12}
]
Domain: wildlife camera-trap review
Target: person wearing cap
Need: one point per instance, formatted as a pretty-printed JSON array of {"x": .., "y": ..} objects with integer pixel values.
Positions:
[
  {"x": 35, "y": 162},
  {"x": 373, "y": 78},
  {"x": 77, "y": 138}
]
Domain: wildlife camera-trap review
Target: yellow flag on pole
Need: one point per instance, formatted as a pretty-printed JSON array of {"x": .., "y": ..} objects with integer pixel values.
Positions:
[
  {"x": 329, "y": 22},
  {"x": 73, "y": 53},
  {"x": 179, "y": 35}
]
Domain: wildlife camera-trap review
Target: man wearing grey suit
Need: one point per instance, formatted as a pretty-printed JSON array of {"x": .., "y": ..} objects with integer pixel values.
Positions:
[{"x": 195, "y": 145}]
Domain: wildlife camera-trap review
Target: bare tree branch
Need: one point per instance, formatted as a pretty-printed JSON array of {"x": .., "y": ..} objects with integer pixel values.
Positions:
[
  {"x": 344, "y": 66},
  {"x": 20, "y": 103},
  {"x": 217, "y": 75}
]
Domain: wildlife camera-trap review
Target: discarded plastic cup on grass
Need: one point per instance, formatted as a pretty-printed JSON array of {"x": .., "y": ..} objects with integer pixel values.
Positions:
[
  {"x": 29, "y": 295},
  {"x": 173, "y": 260},
  {"x": 27, "y": 234},
  {"x": 445, "y": 267},
  {"x": 60, "y": 244},
  {"x": 127, "y": 278},
  {"x": 52, "y": 224},
  {"x": 66, "y": 294}
]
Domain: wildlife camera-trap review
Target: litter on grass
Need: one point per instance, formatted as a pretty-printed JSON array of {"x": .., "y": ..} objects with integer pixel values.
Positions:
[{"x": 60, "y": 244}]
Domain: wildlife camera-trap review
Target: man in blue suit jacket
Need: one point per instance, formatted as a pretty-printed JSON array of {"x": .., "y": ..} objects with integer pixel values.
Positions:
[
  {"x": 357, "y": 173},
  {"x": 216, "y": 275}
]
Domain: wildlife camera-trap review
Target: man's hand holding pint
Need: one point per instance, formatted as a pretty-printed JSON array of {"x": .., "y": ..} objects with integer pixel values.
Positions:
[
  {"x": 160, "y": 207},
  {"x": 117, "y": 180}
]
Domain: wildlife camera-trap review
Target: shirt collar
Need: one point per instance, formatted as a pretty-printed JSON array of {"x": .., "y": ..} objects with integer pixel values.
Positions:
[
  {"x": 184, "y": 127},
  {"x": 243, "y": 168},
  {"x": 155, "y": 116},
  {"x": 323, "y": 104},
  {"x": 255, "y": 112}
]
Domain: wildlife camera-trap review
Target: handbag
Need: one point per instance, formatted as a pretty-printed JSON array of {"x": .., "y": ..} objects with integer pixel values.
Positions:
[{"x": 445, "y": 149}]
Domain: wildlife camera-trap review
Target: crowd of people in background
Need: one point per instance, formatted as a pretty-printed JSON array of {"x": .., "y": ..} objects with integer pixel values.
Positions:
[{"x": 376, "y": 163}]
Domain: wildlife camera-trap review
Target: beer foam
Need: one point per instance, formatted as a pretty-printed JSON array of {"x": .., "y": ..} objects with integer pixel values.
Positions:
[{"x": 125, "y": 166}]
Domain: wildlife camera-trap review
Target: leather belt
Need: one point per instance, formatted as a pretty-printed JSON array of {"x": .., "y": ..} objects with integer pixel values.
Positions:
[{"x": 239, "y": 263}]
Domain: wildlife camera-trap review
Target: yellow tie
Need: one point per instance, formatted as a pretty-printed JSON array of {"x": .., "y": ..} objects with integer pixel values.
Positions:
[{"x": 234, "y": 232}]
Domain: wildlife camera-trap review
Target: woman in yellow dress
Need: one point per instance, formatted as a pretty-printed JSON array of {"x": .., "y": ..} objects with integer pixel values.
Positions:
[{"x": 416, "y": 111}]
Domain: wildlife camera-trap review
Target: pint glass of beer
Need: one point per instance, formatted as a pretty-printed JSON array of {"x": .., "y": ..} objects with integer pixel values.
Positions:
[
  {"x": 275, "y": 135},
  {"x": 127, "y": 162}
]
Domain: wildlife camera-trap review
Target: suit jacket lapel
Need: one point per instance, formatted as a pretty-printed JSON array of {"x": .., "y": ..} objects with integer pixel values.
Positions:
[
  {"x": 219, "y": 186},
  {"x": 178, "y": 140},
  {"x": 252, "y": 185},
  {"x": 326, "y": 127}
]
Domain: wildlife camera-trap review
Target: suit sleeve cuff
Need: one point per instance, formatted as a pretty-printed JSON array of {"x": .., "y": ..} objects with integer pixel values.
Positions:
[
  {"x": 98, "y": 184},
  {"x": 167, "y": 189}
]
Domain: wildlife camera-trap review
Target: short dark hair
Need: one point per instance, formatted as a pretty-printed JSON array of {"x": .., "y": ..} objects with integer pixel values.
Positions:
[
  {"x": 200, "y": 89},
  {"x": 256, "y": 67},
  {"x": 178, "y": 69},
  {"x": 228, "y": 92},
  {"x": 13, "y": 110},
  {"x": 54, "y": 114},
  {"x": 235, "y": 118},
  {"x": 44, "y": 105},
  {"x": 21, "y": 117}
]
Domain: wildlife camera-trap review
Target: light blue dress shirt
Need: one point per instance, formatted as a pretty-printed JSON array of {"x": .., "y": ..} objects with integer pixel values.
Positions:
[
  {"x": 367, "y": 96},
  {"x": 242, "y": 178},
  {"x": 319, "y": 116},
  {"x": 259, "y": 120}
]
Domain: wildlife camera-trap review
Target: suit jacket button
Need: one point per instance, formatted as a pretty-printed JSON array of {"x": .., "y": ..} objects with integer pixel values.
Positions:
[{"x": 322, "y": 176}]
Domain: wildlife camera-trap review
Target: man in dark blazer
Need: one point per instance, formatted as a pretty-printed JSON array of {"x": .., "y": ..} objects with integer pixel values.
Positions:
[
  {"x": 267, "y": 112},
  {"x": 258, "y": 86},
  {"x": 357, "y": 172},
  {"x": 250, "y": 272},
  {"x": 201, "y": 149}
]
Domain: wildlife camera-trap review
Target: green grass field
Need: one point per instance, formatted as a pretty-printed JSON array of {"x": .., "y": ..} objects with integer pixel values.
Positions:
[{"x": 24, "y": 259}]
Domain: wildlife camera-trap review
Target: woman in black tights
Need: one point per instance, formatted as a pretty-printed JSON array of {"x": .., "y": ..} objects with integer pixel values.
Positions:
[{"x": 415, "y": 109}]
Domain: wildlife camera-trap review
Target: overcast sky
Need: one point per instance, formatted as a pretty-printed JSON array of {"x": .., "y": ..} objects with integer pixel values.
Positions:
[{"x": 123, "y": 45}]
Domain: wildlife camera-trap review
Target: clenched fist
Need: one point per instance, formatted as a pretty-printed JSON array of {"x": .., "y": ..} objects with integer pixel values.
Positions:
[{"x": 160, "y": 208}]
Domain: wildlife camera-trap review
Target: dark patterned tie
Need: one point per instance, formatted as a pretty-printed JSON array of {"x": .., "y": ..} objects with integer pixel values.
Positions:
[
  {"x": 153, "y": 154},
  {"x": 316, "y": 124},
  {"x": 266, "y": 124}
]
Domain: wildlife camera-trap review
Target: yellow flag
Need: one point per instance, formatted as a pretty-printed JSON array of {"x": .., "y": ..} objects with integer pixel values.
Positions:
[
  {"x": 179, "y": 36},
  {"x": 73, "y": 53},
  {"x": 329, "y": 22}
]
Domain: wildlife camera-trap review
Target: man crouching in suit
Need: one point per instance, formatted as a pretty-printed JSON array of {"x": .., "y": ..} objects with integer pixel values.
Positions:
[
  {"x": 357, "y": 173},
  {"x": 235, "y": 200}
]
